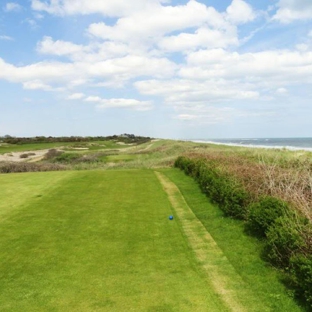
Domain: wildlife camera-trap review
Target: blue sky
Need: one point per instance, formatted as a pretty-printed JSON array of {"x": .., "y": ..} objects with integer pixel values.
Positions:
[{"x": 161, "y": 68}]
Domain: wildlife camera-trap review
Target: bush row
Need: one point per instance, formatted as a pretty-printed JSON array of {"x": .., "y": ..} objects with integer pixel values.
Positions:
[
  {"x": 286, "y": 235},
  {"x": 222, "y": 189},
  {"x": 13, "y": 167}
]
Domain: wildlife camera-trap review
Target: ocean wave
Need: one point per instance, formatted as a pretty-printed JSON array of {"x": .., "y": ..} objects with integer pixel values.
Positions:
[{"x": 287, "y": 147}]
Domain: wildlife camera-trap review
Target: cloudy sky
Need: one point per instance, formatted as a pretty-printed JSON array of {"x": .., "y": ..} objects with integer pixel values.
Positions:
[{"x": 162, "y": 68}]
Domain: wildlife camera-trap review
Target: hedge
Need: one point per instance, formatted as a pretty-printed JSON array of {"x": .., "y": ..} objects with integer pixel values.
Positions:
[
  {"x": 222, "y": 189},
  {"x": 286, "y": 235}
]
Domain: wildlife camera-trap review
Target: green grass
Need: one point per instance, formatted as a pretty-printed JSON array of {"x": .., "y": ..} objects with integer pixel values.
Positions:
[
  {"x": 95, "y": 241},
  {"x": 8, "y": 148},
  {"x": 243, "y": 251},
  {"x": 119, "y": 158},
  {"x": 92, "y": 146},
  {"x": 17, "y": 190},
  {"x": 126, "y": 158}
]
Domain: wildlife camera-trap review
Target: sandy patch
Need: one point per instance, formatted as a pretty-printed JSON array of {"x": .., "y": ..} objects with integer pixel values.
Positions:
[
  {"x": 15, "y": 156},
  {"x": 122, "y": 143},
  {"x": 79, "y": 148}
]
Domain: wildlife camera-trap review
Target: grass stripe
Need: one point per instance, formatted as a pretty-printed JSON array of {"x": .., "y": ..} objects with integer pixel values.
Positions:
[{"x": 222, "y": 275}]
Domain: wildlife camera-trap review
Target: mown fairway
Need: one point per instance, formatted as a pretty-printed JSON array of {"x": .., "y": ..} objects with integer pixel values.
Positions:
[
  {"x": 102, "y": 241},
  {"x": 95, "y": 241}
]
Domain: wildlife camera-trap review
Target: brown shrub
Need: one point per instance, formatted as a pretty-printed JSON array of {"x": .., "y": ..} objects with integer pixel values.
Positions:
[
  {"x": 13, "y": 167},
  {"x": 292, "y": 184},
  {"x": 52, "y": 153}
]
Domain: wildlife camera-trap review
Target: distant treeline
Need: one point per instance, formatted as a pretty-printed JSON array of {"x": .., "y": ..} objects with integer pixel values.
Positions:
[{"x": 125, "y": 138}]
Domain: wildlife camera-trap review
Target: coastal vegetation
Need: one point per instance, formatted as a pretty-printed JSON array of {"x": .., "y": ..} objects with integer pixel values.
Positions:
[
  {"x": 284, "y": 229},
  {"x": 255, "y": 203}
]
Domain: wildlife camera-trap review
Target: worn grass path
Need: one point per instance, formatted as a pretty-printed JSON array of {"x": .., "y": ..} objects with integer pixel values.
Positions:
[{"x": 226, "y": 282}]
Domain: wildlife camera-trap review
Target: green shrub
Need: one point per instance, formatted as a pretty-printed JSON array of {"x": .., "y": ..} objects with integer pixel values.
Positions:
[
  {"x": 222, "y": 189},
  {"x": 180, "y": 162},
  {"x": 263, "y": 213},
  {"x": 236, "y": 203},
  {"x": 284, "y": 239},
  {"x": 67, "y": 157},
  {"x": 301, "y": 268}
]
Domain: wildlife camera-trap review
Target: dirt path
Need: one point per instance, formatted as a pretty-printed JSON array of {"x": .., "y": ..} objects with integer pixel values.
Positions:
[{"x": 218, "y": 270}]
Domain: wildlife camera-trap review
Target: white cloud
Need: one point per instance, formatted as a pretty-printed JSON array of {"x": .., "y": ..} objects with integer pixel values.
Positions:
[
  {"x": 148, "y": 26},
  {"x": 76, "y": 73},
  {"x": 76, "y": 96},
  {"x": 202, "y": 38},
  {"x": 215, "y": 76},
  {"x": 267, "y": 67},
  {"x": 12, "y": 7},
  {"x": 93, "y": 99},
  {"x": 3, "y": 37},
  {"x": 203, "y": 115},
  {"x": 91, "y": 53},
  {"x": 186, "y": 117},
  {"x": 83, "y": 7},
  {"x": 31, "y": 22},
  {"x": 281, "y": 91},
  {"x": 36, "y": 85},
  {"x": 125, "y": 103},
  {"x": 187, "y": 93},
  {"x": 151, "y": 24},
  {"x": 302, "y": 47},
  {"x": 132, "y": 66},
  {"x": 59, "y": 47},
  {"x": 120, "y": 103},
  {"x": 38, "y": 16},
  {"x": 240, "y": 12},
  {"x": 44, "y": 71},
  {"x": 291, "y": 10}
]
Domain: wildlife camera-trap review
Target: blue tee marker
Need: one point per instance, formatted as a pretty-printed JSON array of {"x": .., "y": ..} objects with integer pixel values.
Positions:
[{"x": 170, "y": 217}]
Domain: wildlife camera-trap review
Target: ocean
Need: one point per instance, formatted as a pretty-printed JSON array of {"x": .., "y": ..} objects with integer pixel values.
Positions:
[{"x": 287, "y": 143}]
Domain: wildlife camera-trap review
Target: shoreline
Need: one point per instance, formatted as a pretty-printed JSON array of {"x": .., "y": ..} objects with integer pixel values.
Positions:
[{"x": 290, "y": 148}]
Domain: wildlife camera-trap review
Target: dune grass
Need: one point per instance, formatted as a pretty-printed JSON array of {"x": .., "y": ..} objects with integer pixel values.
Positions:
[
  {"x": 242, "y": 251},
  {"x": 98, "y": 241}
]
